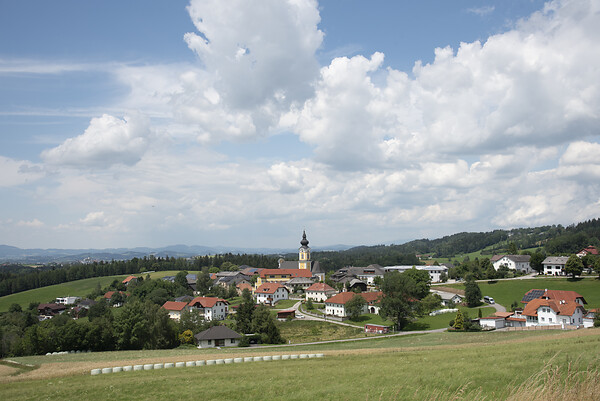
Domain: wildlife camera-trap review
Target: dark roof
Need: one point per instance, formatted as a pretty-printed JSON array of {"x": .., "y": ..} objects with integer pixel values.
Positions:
[
  {"x": 304, "y": 241},
  {"x": 316, "y": 268},
  {"x": 289, "y": 264},
  {"x": 185, "y": 298},
  {"x": 217, "y": 333},
  {"x": 532, "y": 294}
]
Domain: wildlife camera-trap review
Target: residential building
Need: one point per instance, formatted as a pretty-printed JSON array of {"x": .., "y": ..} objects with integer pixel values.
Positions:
[
  {"x": 365, "y": 275},
  {"x": 448, "y": 298},
  {"x": 270, "y": 293},
  {"x": 68, "y": 300},
  {"x": 175, "y": 309},
  {"x": 518, "y": 263},
  {"x": 545, "y": 312},
  {"x": 217, "y": 336},
  {"x": 51, "y": 309},
  {"x": 336, "y": 305},
  {"x": 590, "y": 250},
  {"x": 319, "y": 292},
  {"x": 299, "y": 284},
  {"x": 130, "y": 279},
  {"x": 555, "y": 295},
  {"x": 280, "y": 275},
  {"x": 435, "y": 272},
  {"x": 555, "y": 265},
  {"x": 210, "y": 308}
]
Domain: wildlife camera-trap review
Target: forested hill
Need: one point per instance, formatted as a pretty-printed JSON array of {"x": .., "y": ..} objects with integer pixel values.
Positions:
[{"x": 554, "y": 239}]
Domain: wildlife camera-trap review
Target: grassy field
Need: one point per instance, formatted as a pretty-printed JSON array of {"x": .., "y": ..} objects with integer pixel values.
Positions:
[
  {"x": 77, "y": 288},
  {"x": 507, "y": 291},
  {"x": 299, "y": 331},
  {"x": 437, "y": 366}
]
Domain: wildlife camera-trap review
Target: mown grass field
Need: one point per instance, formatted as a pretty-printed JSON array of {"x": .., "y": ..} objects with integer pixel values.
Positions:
[
  {"x": 505, "y": 292},
  {"x": 437, "y": 366}
]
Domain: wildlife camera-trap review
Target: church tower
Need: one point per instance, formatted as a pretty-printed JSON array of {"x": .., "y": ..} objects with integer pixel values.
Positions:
[{"x": 304, "y": 253}]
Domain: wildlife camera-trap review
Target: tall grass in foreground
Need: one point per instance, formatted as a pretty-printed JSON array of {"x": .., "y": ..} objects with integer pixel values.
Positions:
[{"x": 551, "y": 383}]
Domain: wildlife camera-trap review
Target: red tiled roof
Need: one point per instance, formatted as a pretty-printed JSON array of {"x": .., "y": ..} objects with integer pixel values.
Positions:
[
  {"x": 491, "y": 318},
  {"x": 128, "y": 279},
  {"x": 569, "y": 296},
  {"x": 243, "y": 286},
  {"x": 320, "y": 287},
  {"x": 503, "y": 314},
  {"x": 286, "y": 272},
  {"x": 205, "y": 302},
  {"x": 343, "y": 297},
  {"x": 174, "y": 306},
  {"x": 269, "y": 288},
  {"x": 516, "y": 319},
  {"x": 590, "y": 249},
  {"x": 566, "y": 308},
  {"x": 109, "y": 294}
]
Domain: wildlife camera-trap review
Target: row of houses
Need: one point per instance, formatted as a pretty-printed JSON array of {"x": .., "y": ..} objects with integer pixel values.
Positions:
[{"x": 553, "y": 265}]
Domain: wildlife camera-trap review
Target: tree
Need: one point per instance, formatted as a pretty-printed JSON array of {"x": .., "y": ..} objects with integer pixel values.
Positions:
[
  {"x": 263, "y": 323},
  {"x": 574, "y": 266},
  {"x": 181, "y": 279},
  {"x": 536, "y": 261},
  {"x": 399, "y": 301},
  {"x": 422, "y": 281},
  {"x": 431, "y": 302},
  {"x": 512, "y": 248},
  {"x": 472, "y": 293},
  {"x": 355, "y": 307},
  {"x": 459, "y": 323},
  {"x": 15, "y": 308},
  {"x": 597, "y": 265},
  {"x": 187, "y": 337},
  {"x": 245, "y": 312},
  {"x": 309, "y": 304}
]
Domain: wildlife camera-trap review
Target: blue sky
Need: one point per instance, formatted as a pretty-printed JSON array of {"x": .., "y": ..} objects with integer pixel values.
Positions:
[{"x": 242, "y": 123}]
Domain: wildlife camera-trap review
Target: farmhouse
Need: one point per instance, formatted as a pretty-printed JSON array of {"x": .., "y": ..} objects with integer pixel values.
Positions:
[
  {"x": 590, "y": 250},
  {"x": 50, "y": 309},
  {"x": 555, "y": 265},
  {"x": 544, "y": 312},
  {"x": 217, "y": 336},
  {"x": 336, "y": 305},
  {"x": 175, "y": 309},
  {"x": 556, "y": 295},
  {"x": 435, "y": 272},
  {"x": 518, "y": 263},
  {"x": 271, "y": 293},
  {"x": 130, "y": 279},
  {"x": 319, "y": 292},
  {"x": 210, "y": 308},
  {"x": 448, "y": 298}
]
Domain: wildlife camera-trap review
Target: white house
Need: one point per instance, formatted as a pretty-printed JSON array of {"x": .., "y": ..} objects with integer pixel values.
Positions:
[
  {"x": 494, "y": 322},
  {"x": 336, "y": 305},
  {"x": 217, "y": 336},
  {"x": 588, "y": 319},
  {"x": 68, "y": 300},
  {"x": 435, "y": 272},
  {"x": 555, "y": 265},
  {"x": 546, "y": 312},
  {"x": 271, "y": 293},
  {"x": 512, "y": 262},
  {"x": 175, "y": 309},
  {"x": 448, "y": 297},
  {"x": 319, "y": 292},
  {"x": 210, "y": 308}
]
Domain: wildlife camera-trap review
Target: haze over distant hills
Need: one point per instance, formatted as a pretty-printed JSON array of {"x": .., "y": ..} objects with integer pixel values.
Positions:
[{"x": 14, "y": 254}]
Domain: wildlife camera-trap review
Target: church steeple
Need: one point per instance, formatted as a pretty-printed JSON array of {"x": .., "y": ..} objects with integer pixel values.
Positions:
[{"x": 304, "y": 253}]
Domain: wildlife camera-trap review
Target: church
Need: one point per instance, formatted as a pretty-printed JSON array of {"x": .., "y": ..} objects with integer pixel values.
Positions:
[{"x": 304, "y": 262}]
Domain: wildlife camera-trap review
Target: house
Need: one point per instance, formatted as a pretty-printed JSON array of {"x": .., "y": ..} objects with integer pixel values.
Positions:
[
  {"x": 109, "y": 294},
  {"x": 590, "y": 250},
  {"x": 435, "y": 272},
  {"x": 555, "y": 265},
  {"x": 86, "y": 303},
  {"x": 51, "y": 309},
  {"x": 270, "y": 293},
  {"x": 364, "y": 275},
  {"x": 556, "y": 295},
  {"x": 281, "y": 275},
  {"x": 493, "y": 322},
  {"x": 336, "y": 305},
  {"x": 130, "y": 279},
  {"x": 67, "y": 300},
  {"x": 588, "y": 319},
  {"x": 210, "y": 308},
  {"x": 217, "y": 336},
  {"x": 545, "y": 312},
  {"x": 175, "y": 309},
  {"x": 299, "y": 284},
  {"x": 244, "y": 285},
  {"x": 319, "y": 292},
  {"x": 518, "y": 263},
  {"x": 448, "y": 298}
]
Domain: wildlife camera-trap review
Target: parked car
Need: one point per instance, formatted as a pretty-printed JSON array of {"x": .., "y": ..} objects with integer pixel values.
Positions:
[{"x": 488, "y": 300}]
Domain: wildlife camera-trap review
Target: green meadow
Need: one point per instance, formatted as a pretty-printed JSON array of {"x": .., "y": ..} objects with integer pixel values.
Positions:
[{"x": 436, "y": 366}]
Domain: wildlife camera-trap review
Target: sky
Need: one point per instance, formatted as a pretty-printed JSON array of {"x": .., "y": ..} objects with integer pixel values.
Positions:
[{"x": 242, "y": 123}]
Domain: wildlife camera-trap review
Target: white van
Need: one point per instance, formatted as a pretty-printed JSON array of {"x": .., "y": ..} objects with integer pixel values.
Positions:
[{"x": 488, "y": 300}]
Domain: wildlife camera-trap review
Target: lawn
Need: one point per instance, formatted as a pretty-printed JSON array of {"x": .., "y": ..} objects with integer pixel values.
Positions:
[
  {"x": 302, "y": 331},
  {"x": 285, "y": 304},
  {"x": 474, "y": 366},
  {"x": 505, "y": 292}
]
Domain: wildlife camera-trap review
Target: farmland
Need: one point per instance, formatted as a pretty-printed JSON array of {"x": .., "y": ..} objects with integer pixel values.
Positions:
[{"x": 421, "y": 367}]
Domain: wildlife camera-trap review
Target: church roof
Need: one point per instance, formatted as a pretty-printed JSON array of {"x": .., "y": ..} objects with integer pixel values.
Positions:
[{"x": 304, "y": 241}]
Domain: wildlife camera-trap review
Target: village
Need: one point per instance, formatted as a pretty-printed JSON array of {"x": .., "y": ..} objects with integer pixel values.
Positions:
[{"x": 310, "y": 295}]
